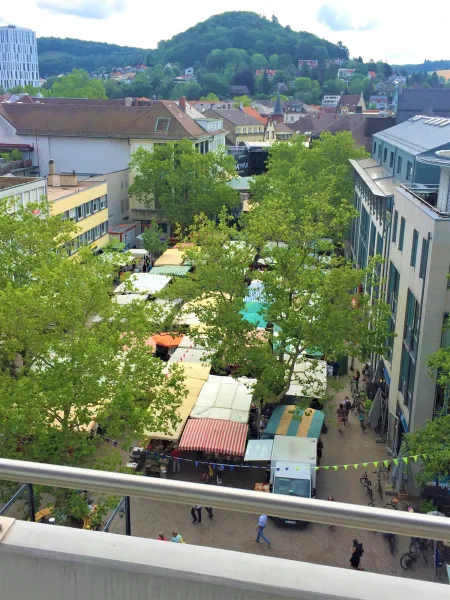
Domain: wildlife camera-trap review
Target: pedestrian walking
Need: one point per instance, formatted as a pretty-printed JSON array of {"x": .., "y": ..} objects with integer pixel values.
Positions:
[
  {"x": 161, "y": 537},
  {"x": 319, "y": 450},
  {"x": 340, "y": 416},
  {"x": 335, "y": 367},
  {"x": 357, "y": 552},
  {"x": 356, "y": 378},
  {"x": 209, "y": 510},
  {"x": 177, "y": 538},
  {"x": 219, "y": 476},
  {"x": 262, "y": 428},
  {"x": 361, "y": 418},
  {"x": 196, "y": 512},
  {"x": 176, "y": 462},
  {"x": 262, "y": 521}
]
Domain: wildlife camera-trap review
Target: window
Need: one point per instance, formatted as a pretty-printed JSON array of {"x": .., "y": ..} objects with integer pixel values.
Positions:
[
  {"x": 415, "y": 242},
  {"x": 162, "y": 124},
  {"x": 408, "y": 170},
  {"x": 88, "y": 209},
  {"x": 96, "y": 205},
  {"x": 104, "y": 228},
  {"x": 385, "y": 155},
  {"x": 374, "y": 147},
  {"x": 401, "y": 235},
  {"x": 399, "y": 164},
  {"x": 163, "y": 227},
  {"x": 127, "y": 204},
  {"x": 423, "y": 259},
  {"x": 407, "y": 376},
  {"x": 393, "y": 286},
  {"x": 122, "y": 205},
  {"x": 103, "y": 202},
  {"x": 80, "y": 212},
  {"x": 391, "y": 160},
  {"x": 412, "y": 324},
  {"x": 379, "y": 151},
  {"x": 394, "y": 227}
]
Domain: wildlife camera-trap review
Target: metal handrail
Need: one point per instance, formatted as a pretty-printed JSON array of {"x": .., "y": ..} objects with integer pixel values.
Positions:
[{"x": 288, "y": 507}]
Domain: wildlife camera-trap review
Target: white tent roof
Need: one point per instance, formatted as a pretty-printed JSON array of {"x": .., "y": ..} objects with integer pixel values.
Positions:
[
  {"x": 144, "y": 283},
  {"x": 224, "y": 398},
  {"x": 309, "y": 379},
  {"x": 138, "y": 252},
  {"x": 258, "y": 450}
]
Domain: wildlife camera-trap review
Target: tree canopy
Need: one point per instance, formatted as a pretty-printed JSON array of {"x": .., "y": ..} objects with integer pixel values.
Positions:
[
  {"x": 305, "y": 297},
  {"x": 78, "y": 84},
  {"x": 183, "y": 182},
  {"x": 69, "y": 355}
]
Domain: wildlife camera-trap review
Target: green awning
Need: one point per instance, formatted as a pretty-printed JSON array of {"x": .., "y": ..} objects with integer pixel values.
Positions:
[{"x": 180, "y": 271}]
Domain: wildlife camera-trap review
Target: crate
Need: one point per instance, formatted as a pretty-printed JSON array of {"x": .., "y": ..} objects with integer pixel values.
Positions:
[{"x": 403, "y": 495}]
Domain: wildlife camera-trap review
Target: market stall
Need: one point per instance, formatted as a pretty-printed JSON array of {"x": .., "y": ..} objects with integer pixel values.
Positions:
[
  {"x": 224, "y": 398},
  {"x": 309, "y": 379},
  {"x": 288, "y": 419},
  {"x": 193, "y": 387},
  {"x": 171, "y": 270},
  {"x": 215, "y": 435},
  {"x": 124, "y": 299},
  {"x": 165, "y": 344},
  {"x": 143, "y": 283},
  {"x": 191, "y": 361},
  {"x": 172, "y": 257}
]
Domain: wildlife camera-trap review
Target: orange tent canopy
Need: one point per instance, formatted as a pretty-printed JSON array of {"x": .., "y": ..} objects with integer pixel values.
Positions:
[{"x": 168, "y": 340}]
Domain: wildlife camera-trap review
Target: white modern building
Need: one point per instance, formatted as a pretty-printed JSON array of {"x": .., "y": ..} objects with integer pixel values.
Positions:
[
  {"x": 18, "y": 57},
  {"x": 402, "y": 195},
  {"x": 23, "y": 189}
]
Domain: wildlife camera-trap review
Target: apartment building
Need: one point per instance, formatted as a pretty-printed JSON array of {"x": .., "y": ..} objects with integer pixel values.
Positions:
[
  {"x": 402, "y": 195},
  {"x": 241, "y": 127},
  {"x": 23, "y": 189},
  {"x": 18, "y": 57},
  {"x": 84, "y": 202}
]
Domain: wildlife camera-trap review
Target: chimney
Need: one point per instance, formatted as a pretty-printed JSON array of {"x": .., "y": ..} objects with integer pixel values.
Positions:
[
  {"x": 51, "y": 167},
  {"x": 182, "y": 103},
  {"x": 53, "y": 180}
]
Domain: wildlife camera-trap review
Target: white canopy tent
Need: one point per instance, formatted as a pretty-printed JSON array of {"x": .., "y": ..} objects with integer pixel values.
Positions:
[
  {"x": 138, "y": 252},
  {"x": 224, "y": 398},
  {"x": 143, "y": 283},
  {"x": 309, "y": 379},
  {"x": 123, "y": 299}
]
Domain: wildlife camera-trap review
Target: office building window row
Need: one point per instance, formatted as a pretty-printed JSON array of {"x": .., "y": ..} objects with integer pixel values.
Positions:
[
  {"x": 409, "y": 349},
  {"x": 364, "y": 231},
  {"x": 392, "y": 300},
  {"x": 87, "y": 237},
  {"x": 87, "y": 209}
]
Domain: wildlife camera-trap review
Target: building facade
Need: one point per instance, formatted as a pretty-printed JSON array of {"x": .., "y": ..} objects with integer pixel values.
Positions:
[
  {"x": 241, "y": 127},
  {"x": 23, "y": 189},
  {"x": 402, "y": 197},
  {"x": 18, "y": 57},
  {"x": 84, "y": 202}
]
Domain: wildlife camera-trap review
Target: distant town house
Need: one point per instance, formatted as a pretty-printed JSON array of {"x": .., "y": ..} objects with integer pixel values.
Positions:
[
  {"x": 313, "y": 64},
  {"x": 346, "y": 74},
  {"x": 270, "y": 73}
]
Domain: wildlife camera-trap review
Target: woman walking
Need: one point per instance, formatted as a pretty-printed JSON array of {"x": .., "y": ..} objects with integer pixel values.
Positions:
[{"x": 340, "y": 416}]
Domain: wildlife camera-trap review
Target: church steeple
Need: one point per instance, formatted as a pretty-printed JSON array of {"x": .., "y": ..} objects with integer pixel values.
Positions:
[{"x": 277, "y": 113}]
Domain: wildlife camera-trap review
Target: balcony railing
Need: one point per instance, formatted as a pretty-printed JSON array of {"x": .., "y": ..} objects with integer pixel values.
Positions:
[{"x": 319, "y": 511}]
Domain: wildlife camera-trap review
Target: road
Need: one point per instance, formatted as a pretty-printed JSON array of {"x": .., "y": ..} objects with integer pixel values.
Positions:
[{"x": 317, "y": 543}]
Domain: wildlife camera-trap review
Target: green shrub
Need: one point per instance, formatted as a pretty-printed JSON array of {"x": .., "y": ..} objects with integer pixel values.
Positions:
[{"x": 16, "y": 155}]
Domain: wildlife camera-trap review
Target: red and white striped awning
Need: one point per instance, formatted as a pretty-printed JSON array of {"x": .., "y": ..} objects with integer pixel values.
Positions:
[{"x": 215, "y": 435}]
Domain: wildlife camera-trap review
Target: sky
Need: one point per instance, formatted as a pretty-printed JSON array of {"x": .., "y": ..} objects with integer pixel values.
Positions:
[{"x": 394, "y": 31}]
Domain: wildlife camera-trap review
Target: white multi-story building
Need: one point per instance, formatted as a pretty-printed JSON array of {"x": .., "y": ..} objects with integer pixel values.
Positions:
[{"x": 18, "y": 57}]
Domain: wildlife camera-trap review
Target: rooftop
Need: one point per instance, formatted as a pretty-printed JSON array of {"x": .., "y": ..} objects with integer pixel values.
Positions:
[
  {"x": 430, "y": 102},
  {"x": 55, "y": 193},
  {"x": 234, "y": 115},
  {"x": 164, "y": 120},
  {"x": 418, "y": 134},
  {"x": 11, "y": 182}
]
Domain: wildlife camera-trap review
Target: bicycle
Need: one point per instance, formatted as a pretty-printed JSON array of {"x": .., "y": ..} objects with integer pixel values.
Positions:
[
  {"x": 378, "y": 486},
  {"x": 391, "y": 539},
  {"x": 365, "y": 481},
  {"x": 417, "y": 547},
  {"x": 397, "y": 504}
]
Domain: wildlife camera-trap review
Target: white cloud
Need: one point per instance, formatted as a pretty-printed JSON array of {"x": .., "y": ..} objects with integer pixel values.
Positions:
[
  {"x": 340, "y": 19},
  {"x": 86, "y": 9}
]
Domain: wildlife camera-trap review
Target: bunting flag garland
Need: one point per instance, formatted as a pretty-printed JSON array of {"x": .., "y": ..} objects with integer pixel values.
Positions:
[{"x": 375, "y": 463}]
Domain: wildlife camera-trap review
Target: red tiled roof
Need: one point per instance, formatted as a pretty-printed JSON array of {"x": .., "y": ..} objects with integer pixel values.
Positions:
[{"x": 254, "y": 113}]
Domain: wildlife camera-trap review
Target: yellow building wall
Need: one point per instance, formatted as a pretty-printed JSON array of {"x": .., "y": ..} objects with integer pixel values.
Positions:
[
  {"x": 60, "y": 206},
  {"x": 102, "y": 241}
]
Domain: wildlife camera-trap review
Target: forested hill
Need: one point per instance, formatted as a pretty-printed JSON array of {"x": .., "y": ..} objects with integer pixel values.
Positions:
[
  {"x": 245, "y": 31},
  {"x": 58, "y": 55},
  {"x": 240, "y": 30}
]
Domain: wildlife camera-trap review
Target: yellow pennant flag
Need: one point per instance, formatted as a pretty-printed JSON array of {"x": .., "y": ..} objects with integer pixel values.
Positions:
[
  {"x": 336, "y": 467},
  {"x": 375, "y": 464},
  {"x": 356, "y": 465},
  {"x": 345, "y": 467},
  {"x": 386, "y": 463},
  {"x": 415, "y": 458},
  {"x": 395, "y": 461},
  {"x": 405, "y": 459}
]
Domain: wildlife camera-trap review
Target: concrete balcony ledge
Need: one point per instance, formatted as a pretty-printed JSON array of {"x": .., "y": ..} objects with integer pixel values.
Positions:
[{"x": 57, "y": 563}]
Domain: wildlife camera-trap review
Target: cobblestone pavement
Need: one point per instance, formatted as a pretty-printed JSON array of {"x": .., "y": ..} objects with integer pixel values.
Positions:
[{"x": 316, "y": 543}]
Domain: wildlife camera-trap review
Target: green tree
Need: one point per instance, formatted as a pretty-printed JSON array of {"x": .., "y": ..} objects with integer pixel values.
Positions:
[
  {"x": 69, "y": 355},
  {"x": 213, "y": 83},
  {"x": 273, "y": 61},
  {"x": 78, "y": 84},
  {"x": 211, "y": 97},
  {"x": 258, "y": 61},
  {"x": 215, "y": 60},
  {"x": 356, "y": 85},
  {"x": 284, "y": 61},
  {"x": 191, "y": 90},
  {"x": 183, "y": 182},
  {"x": 151, "y": 238},
  {"x": 307, "y": 90},
  {"x": 433, "y": 440},
  {"x": 264, "y": 86},
  {"x": 334, "y": 86},
  {"x": 244, "y": 100},
  {"x": 307, "y": 304}
]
